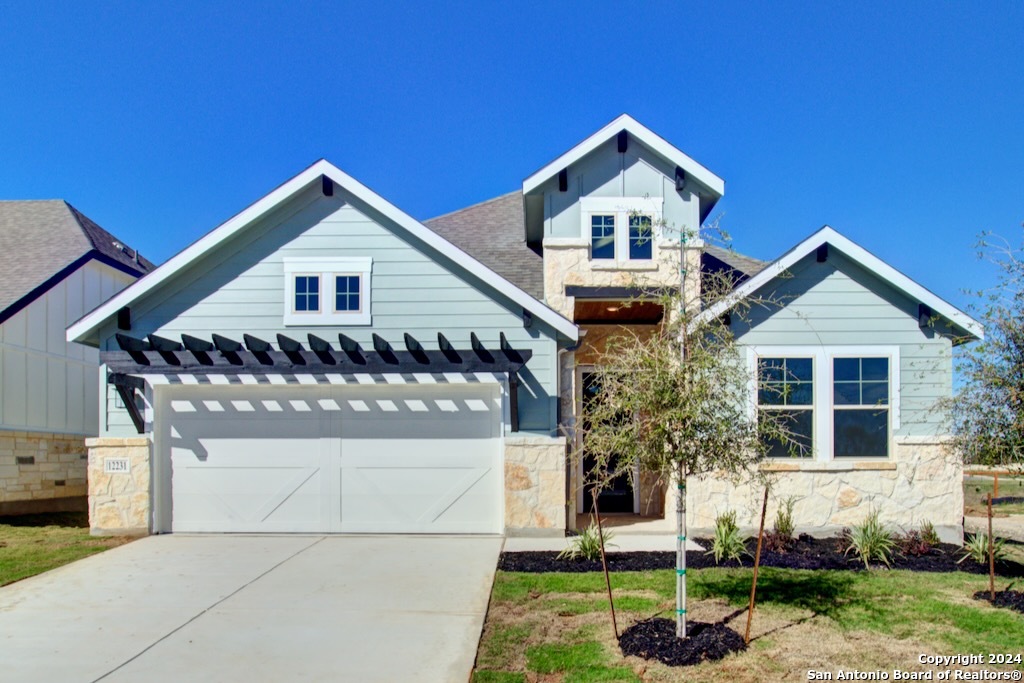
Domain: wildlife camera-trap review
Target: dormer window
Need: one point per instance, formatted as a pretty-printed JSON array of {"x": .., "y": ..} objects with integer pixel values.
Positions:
[
  {"x": 620, "y": 229},
  {"x": 602, "y": 236},
  {"x": 327, "y": 291}
]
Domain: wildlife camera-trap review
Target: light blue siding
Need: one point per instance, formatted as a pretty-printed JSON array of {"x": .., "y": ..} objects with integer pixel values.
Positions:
[
  {"x": 837, "y": 303},
  {"x": 240, "y": 289},
  {"x": 606, "y": 173}
]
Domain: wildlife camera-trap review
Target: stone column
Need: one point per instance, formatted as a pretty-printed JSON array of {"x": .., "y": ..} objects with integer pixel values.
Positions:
[{"x": 120, "y": 488}]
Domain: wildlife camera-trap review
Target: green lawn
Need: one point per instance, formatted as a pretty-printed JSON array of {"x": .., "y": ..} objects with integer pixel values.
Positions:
[
  {"x": 32, "y": 544},
  {"x": 555, "y": 627}
]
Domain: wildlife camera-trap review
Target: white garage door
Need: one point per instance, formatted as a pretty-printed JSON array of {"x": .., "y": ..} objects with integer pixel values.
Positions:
[{"x": 393, "y": 459}]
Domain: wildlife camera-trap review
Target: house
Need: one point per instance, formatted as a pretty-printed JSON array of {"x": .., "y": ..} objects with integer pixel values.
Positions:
[
  {"x": 55, "y": 265},
  {"x": 323, "y": 362}
]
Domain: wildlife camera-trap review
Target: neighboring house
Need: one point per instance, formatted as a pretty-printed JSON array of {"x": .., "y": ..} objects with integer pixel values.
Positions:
[
  {"x": 324, "y": 362},
  {"x": 55, "y": 265}
]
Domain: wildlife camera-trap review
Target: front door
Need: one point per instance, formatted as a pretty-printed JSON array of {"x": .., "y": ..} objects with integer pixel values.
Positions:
[{"x": 618, "y": 495}]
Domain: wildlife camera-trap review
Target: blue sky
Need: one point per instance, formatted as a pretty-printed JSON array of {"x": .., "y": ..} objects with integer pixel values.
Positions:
[{"x": 899, "y": 124}]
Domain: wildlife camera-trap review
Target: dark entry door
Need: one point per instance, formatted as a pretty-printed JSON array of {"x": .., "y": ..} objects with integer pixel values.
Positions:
[{"x": 618, "y": 496}]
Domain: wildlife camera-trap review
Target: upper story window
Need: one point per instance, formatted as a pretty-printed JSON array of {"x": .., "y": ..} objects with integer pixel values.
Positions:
[
  {"x": 327, "y": 291},
  {"x": 621, "y": 229},
  {"x": 602, "y": 236},
  {"x": 853, "y": 417}
]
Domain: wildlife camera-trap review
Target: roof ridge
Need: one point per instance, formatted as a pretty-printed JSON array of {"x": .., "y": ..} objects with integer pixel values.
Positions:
[{"x": 473, "y": 206}]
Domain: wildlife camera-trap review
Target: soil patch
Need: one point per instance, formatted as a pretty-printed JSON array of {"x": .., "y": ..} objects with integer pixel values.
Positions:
[
  {"x": 656, "y": 639},
  {"x": 806, "y": 553},
  {"x": 1010, "y": 599}
]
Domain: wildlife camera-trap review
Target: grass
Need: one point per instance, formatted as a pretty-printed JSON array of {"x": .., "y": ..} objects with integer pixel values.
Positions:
[
  {"x": 33, "y": 544},
  {"x": 976, "y": 490},
  {"x": 555, "y": 627}
]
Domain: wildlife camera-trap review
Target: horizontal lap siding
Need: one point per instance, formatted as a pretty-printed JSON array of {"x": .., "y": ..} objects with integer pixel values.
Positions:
[
  {"x": 839, "y": 303},
  {"x": 242, "y": 291}
]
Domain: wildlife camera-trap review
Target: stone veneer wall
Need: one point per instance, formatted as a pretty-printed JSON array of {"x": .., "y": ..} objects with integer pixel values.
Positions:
[
  {"x": 119, "y": 503},
  {"x": 37, "y": 466},
  {"x": 922, "y": 482},
  {"x": 534, "y": 485}
]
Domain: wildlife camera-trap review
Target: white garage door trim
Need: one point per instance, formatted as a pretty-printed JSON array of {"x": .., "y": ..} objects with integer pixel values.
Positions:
[{"x": 330, "y": 459}]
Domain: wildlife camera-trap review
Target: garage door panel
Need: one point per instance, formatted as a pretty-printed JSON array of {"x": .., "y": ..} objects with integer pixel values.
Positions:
[{"x": 400, "y": 459}]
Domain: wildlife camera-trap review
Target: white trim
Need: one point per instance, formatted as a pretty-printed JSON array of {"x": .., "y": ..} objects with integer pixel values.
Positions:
[
  {"x": 622, "y": 208},
  {"x": 645, "y": 135},
  {"x": 262, "y": 207},
  {"x": 823, "y": 403},
  {"x": 862, "y": 257},
  {"x": 327, "y": 269}
]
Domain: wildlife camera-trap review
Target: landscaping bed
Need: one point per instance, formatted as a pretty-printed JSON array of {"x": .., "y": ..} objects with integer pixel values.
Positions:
[
  {"x": 806, "y": 553},
  {"x": 1009, "y": 599}
]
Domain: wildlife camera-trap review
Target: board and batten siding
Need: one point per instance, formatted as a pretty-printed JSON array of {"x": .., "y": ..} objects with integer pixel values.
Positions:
[
  {"x": 838, "y": 303},
  {"x": 48, "y": 384},
  {"x": 605, "y": 172},
  {"x": 240, "y": 289}
]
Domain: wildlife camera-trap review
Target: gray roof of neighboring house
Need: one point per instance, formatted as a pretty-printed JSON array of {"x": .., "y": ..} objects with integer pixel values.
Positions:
[
  {"x": 717, "y": 259},
  {"x": 493, "y": 233},
  {"x": 41, "y": 239}
]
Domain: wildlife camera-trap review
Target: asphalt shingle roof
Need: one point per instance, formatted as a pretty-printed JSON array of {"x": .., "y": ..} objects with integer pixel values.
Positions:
[
  {"x": 39, "y": 238},
  {"x": 744, "y": 266},
  {"x": 493, "y": 233}
]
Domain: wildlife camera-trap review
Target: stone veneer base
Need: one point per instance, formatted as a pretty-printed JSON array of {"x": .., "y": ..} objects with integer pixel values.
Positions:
[
  {"x": 119, "y": 502},
  {"x": 39, "y": 467}
]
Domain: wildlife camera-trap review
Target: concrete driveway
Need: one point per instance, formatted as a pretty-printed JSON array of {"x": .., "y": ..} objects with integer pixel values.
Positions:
[{"x": 254, "y": 608}]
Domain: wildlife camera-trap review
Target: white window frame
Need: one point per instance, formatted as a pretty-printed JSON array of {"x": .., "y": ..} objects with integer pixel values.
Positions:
[
  {"x": 822, "y": 357},
  {"x": 622, "y": 208},
  {"x": 327, "y": 268}
]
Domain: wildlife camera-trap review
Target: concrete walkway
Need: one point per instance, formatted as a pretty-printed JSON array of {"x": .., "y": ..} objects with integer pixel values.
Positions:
[
  {"x": 1010, "y": 528},
  {"x": 254, "y": 608},
  {"x": 620, "y": 543}
]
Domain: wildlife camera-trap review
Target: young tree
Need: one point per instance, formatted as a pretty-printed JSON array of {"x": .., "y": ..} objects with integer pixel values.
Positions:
[
  {"x": 987, "y": 412},
  {"x": 677, "y": 404}
]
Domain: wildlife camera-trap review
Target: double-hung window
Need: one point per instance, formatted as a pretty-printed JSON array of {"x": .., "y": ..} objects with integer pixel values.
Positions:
[
  {"x": 832, "y": 403},
  {"x": 327, "y": 291},
  {"x": 620, "y": 229},
  {"x": 785, "y": 391},
  {"x": 860, "y": 407}
]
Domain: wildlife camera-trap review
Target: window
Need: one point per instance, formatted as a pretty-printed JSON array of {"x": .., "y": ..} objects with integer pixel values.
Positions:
[
  {"x": 307, "y": 293},
  {"x": 620, "y": 229},
  {"x": 860, "y": 405},
  {"x": 602, "y": 236},
  {"x": 785, "y": 387},
  {"x": 327, "y": 291},
  {"x": 641, "y": 237},
  {"x": 838, "y": 402},
  {"x": 346, "y": 293}
]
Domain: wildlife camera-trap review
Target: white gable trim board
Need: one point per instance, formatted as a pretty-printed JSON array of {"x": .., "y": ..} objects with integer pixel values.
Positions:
[
  {"x": 643, "y": 134},
  {"x": 319, "y": 171},
  {"x": 828, "y": 236}
]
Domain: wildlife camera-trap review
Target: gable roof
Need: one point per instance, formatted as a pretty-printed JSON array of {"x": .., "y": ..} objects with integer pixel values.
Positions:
[
  {"x": 715, "y": 186},
  {"x": 43, "y": 241},
  {"x": 828, "y": 236},
  {"x": 321, "y": 169},
  {"x": 492, "y": 233}
]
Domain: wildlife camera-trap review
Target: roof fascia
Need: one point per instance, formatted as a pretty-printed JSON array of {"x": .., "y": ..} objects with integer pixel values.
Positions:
[
  {"x": 646, "y": 136},
  {"x": 863, "y": 258},
  {"x": 233, "y": 226}
]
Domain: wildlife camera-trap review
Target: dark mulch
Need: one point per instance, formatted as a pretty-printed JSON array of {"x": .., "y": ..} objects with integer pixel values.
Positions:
[
  {"x": 656, "y": 639},
  {"x": 806, "y": 553},
  {"x": 1010, "y": 599}
]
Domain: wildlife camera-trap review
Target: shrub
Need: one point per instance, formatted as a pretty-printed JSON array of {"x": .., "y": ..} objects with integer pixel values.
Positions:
[
  {"x": 976, "y": 548},
  {"x": 727, "y": 543},
  {"x": 871, "y": 541},
  {"x": 780, "y": 539},
  {"x": 918, "y": 542},
  {"x": 587, "y": 544}
]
